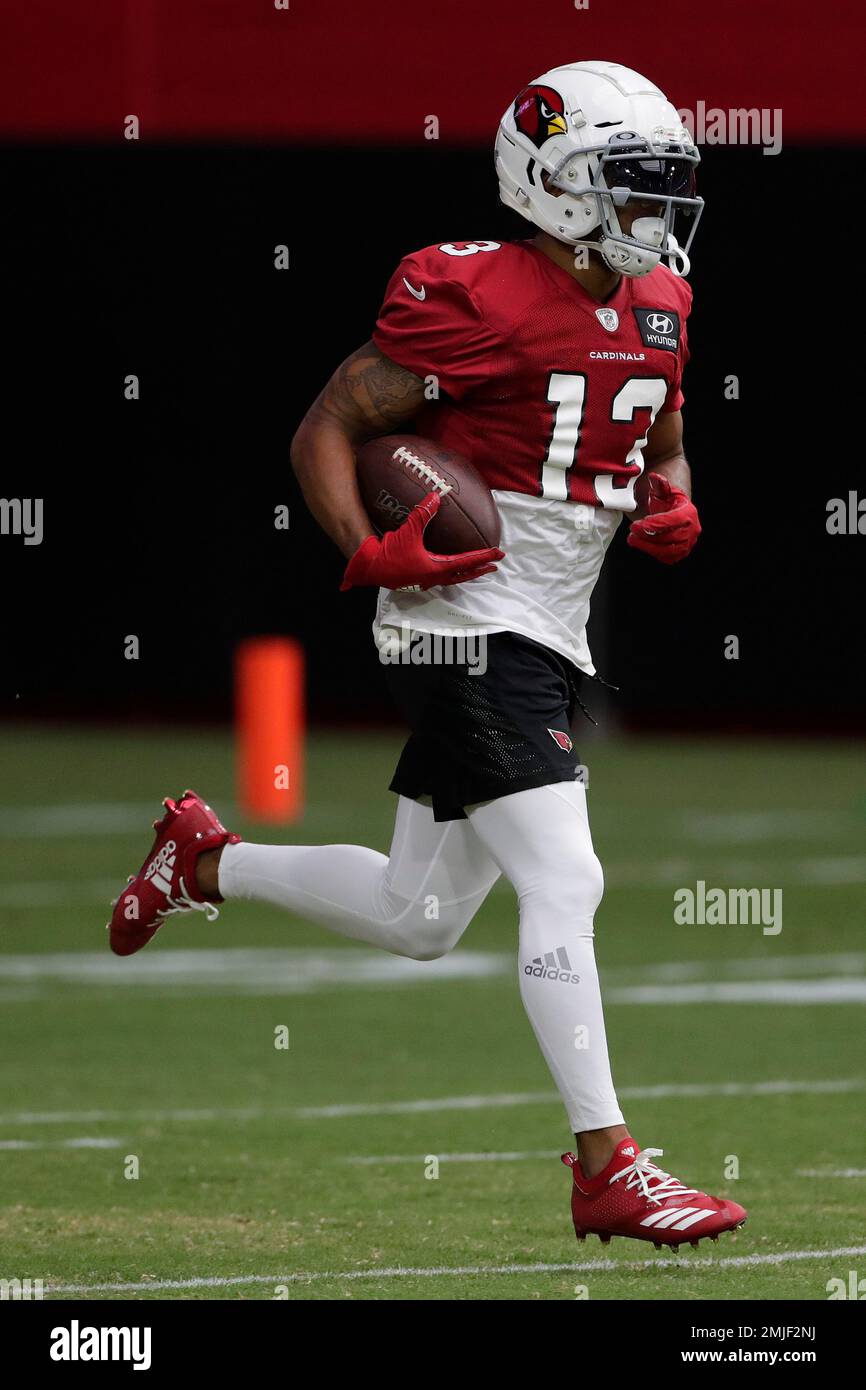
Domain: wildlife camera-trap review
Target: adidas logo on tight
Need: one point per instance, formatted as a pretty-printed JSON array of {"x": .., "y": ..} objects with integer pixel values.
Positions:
[
  {"x": 164, "y": 860},
  {"x": 553, "y": 966}
]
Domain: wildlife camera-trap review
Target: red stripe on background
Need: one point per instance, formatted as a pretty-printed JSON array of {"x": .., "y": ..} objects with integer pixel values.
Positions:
[{"x": 337, "y": 71}]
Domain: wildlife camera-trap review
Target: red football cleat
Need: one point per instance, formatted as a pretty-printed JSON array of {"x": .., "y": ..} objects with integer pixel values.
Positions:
[
  {"x": 632, "y": 1196},
  {"x": 166, "y": 881}
]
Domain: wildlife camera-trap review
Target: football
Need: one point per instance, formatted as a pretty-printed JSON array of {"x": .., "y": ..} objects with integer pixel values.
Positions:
[{"x": 397, "y": 471}]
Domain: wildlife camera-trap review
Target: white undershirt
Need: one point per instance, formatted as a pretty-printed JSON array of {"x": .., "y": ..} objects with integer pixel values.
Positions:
[{"x": 553, "y": 556}]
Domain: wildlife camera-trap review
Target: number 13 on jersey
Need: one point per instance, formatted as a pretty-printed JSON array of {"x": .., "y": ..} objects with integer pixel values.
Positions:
[{"x": 567, "y": 394}]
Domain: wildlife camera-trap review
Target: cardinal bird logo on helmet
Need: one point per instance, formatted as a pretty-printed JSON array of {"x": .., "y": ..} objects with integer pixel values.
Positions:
[{"x": 539, "y": 113}]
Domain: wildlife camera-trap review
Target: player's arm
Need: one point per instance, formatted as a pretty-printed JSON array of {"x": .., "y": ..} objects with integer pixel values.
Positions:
[
  {"x": 664, "y": 451},
  {"x": 367, "y": 395},
  {"x": 667, "y": 525}
]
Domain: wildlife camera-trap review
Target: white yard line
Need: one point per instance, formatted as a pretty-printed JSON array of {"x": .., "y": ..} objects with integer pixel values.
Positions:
[
  {"x": 78, "y": 818},
  {"x": 748, "y": 827},
  {"x": 246, "y": 970},
  {"x": 60, "y": 892},
  {"x": 766, "y": 966},
  {"x": 95, "y": 1117},
  {"x": 84, "y": 1143},
  {"x": 847, "y": 990},
  {"x": 508, "y": 1156},
  {"x": 660, "y": 1092},
  {"x": 831, "y": 1172},
  {"x": 522, "y": 1155},
  {"x": 810, "y": 979},
  {"x": 452, "y": 1271},
  {"x": 498, "y": 1100}
]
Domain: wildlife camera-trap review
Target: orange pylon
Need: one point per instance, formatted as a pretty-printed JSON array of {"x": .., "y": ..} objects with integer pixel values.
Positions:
[{"x": 270, "y": 728}]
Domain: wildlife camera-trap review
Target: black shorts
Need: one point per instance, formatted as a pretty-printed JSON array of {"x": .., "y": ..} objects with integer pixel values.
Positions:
[{"x": 477, "y": 736}]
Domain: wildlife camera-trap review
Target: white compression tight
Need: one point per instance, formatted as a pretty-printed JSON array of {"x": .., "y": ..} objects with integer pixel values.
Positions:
[{"x": 419, "y": 900}]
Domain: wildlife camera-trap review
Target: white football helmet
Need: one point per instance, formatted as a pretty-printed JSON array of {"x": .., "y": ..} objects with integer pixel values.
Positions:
[{"x": 604, "y": 136}]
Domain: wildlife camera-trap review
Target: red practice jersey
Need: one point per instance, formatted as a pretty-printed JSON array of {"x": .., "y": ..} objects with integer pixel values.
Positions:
[{"x": 547, "y": 391}]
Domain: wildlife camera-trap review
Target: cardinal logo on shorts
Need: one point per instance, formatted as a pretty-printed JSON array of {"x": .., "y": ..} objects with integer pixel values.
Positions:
[{"x": 561, "y": 740}]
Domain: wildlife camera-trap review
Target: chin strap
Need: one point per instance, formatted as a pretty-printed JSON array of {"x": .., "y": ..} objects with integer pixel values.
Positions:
[{"x": 676, "y": 253}]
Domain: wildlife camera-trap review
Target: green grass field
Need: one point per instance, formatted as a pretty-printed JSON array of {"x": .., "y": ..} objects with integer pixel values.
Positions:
[{"x": 301, "y": 1172}]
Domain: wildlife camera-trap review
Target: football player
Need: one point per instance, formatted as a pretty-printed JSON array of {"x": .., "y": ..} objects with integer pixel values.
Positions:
[{"x": 556, "y": 365}]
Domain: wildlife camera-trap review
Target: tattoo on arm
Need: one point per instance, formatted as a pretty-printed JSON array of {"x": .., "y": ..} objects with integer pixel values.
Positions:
[{"x": 369, "y": 394}]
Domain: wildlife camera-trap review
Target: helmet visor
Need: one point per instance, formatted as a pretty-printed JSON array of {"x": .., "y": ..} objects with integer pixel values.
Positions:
[{"x": 647, "y": 177}]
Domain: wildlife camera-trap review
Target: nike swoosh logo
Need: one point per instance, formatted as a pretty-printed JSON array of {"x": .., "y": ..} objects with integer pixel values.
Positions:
[{"x": 419, "y": 294}]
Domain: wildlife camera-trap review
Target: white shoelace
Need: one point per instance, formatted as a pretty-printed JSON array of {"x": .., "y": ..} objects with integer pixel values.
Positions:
[
  {"x": 187, "y": 904},
  {"x": 643, "y": 1172}
]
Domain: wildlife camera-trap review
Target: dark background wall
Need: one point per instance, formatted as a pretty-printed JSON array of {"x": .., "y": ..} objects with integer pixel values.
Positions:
[{"x": 156, "y": 258}]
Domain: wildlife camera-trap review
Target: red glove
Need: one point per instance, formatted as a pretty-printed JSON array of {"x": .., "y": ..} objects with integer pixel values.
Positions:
[
  {"x": 671, "y": 526},
  {"x": 400, "y": 560}
]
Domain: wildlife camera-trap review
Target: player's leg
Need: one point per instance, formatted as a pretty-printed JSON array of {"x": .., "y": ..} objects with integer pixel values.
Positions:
[
  {"x": 541, "y": 840},
  {"x": 416, "y": 902}
]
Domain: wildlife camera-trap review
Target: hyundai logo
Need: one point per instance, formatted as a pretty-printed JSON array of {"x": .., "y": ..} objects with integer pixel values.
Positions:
[{"x": 659, "y": 323}]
